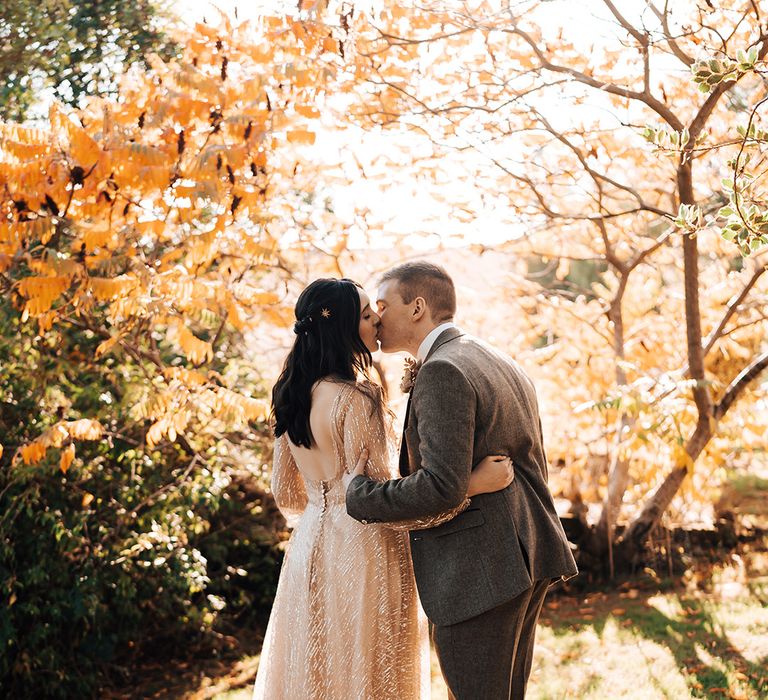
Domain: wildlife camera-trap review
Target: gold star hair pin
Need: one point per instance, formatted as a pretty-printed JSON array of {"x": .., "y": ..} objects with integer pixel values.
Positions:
[{"x": 326, "y": 313}]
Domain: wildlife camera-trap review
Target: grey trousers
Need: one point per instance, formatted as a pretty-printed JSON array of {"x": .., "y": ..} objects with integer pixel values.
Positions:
[{"x": 488, "y": 657}]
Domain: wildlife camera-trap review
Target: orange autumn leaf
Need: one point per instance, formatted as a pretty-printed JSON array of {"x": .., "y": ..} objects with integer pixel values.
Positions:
[
  {"x": 67, "y": 455},
  {"x": 308, "y": 111},
  {"x": 301, "y": 136}
]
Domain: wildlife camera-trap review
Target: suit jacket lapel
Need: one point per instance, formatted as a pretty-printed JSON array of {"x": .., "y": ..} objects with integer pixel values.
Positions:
[
  {"x": 446, "y": 336},
  {"x": 404, "y": 462}
]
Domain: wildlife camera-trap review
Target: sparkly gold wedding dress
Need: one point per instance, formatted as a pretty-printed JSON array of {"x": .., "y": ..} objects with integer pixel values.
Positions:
[{"x": 346, "y": 622}]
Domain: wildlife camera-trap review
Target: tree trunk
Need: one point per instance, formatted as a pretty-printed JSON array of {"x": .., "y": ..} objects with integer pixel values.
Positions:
[{"x": 634, "y": 538}]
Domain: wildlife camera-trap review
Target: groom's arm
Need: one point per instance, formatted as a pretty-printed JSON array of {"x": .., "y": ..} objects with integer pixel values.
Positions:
[{"x": 445, "y": 404}]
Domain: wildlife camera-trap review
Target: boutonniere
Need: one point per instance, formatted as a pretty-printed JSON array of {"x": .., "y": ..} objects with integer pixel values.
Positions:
[{"x": 409, "y": 374}]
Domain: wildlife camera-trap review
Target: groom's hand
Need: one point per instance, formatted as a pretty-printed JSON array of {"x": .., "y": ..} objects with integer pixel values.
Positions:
[{"x": 359, "y": 469}]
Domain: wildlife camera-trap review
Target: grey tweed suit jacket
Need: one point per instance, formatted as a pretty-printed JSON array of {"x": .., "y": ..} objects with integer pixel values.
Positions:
[{"x": 469, "y": 401}]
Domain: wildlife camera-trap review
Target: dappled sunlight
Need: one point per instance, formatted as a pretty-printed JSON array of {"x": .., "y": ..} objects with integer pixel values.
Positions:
[{"x": 614, "y": 663}]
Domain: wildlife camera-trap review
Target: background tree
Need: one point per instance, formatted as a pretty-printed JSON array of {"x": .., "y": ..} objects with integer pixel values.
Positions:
[
  {"x": 73, "y": 48},
  {"x": 610, "y": 150}
]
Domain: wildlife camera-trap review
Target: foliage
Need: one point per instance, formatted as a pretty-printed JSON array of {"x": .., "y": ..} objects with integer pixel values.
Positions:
[
  {"x": 87, "y": 544},
  {"x": 627, "y": 148},
  {"x": 72, "y": 48},
  {"x": 138, "y": 243},
  {"x": 152, "y": 223}
]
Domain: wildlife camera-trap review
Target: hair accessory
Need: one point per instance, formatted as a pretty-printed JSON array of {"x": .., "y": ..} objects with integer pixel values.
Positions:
[
  {"x": 302, "y": 325},
  {"x": 326, "y": 313}
]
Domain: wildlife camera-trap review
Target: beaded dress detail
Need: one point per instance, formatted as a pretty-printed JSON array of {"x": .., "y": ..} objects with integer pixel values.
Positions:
[{"x": 346, "y": 623}]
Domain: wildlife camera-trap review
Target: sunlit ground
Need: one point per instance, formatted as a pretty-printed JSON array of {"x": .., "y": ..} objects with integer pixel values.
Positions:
[{"x": 643, "y": 645}]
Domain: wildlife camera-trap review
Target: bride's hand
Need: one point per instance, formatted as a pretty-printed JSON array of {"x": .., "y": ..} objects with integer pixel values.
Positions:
[
  {"x": 359, "y": 469},
  {"x": 494, "y": 473}
]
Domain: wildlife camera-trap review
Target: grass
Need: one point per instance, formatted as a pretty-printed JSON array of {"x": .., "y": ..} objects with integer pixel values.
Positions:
[
  {"x": 645, "y": 644},
  {"x": 660, "y": 645},
  {"x": 705, "y": 636}
]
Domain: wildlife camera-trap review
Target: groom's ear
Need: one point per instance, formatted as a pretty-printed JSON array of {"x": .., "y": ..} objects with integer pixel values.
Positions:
[{"x": 419, "y": 309}]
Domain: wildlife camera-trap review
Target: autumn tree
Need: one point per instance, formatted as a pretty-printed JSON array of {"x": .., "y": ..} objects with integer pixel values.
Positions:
[
  {"x": 73, "y": 49},
  {"x": 150, "y": 220},
  {"x": 622, "y": 144},
  {"x": 143, "y": 240}
]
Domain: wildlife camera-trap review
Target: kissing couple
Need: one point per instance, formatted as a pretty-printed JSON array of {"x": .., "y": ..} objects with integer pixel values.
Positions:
[{"x": 464, "y": 515}]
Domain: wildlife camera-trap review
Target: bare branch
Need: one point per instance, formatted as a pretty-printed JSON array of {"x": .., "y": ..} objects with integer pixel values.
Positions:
[
  {"x": 646, "y": 98},
  {"x": 671, "y": 41},
  {"x": 733, "y": 305},
  {"x": 643, "y": 254},
  {"x": 641, "y": 38},
  {"x": 610, "y": 254},
  {"x": 594, "y": 174},
  {"x": 739, "y": 384}
]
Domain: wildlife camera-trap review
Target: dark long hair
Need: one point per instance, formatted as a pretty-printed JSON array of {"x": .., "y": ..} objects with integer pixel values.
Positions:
[{"x": 327, "y": 344}]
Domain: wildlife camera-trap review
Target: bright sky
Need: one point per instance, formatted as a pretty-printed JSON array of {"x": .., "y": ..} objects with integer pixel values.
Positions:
[
  {"x": 408, "y": 207},
  {"x": 196, "y": 10}
]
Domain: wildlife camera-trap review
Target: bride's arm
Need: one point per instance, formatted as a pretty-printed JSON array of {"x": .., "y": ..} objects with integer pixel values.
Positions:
[
  {"x": 362, "y": 424},
  {"x": 288, "y": 486},
  {"x": 493, "y": 473}
]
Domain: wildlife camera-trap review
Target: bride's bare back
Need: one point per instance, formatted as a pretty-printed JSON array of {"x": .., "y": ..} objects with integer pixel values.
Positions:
[{"x": 319, "y": 462}]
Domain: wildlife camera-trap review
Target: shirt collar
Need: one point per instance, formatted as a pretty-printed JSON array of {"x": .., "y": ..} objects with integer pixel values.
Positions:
[{"x": 429, "y": 341}]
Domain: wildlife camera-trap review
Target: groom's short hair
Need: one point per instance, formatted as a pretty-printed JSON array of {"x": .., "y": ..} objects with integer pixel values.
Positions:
[{"x": 419, "y": 278}]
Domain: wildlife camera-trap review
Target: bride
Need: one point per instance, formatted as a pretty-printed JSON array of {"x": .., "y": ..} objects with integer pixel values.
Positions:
[{"x": 345, "y": 624}]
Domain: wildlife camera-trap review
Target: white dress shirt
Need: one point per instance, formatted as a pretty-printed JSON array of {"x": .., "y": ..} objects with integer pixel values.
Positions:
[{"x": 429, "y": 341}]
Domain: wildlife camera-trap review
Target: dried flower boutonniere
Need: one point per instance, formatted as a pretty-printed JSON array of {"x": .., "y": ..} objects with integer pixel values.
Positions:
[{"x": 409, "y": 374}]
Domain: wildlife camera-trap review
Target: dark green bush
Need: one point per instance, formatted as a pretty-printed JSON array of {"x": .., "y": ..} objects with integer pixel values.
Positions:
[{"x": 132, "y": 549}]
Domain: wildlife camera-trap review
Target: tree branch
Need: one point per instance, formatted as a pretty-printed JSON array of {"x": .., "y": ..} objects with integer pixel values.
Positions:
[
  {"x": 641, "y": 38},
  {"x": 671, "y": 41},
  {"x": 733, "y": 305},
  {"x": 707, "y": 108},
  {"x": 739, "y": 384},
  {"x": 646, "y": 98}
]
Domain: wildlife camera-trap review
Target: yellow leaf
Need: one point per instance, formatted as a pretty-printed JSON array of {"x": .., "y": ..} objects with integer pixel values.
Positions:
[
  {"x": 67, "y": 455},
  {"x": 96, "y": 235},
  {"x": 85, "y": 429},
  {"x": 155, "y": 433},
  {"x": 45, "y": 321},
  {"x": 105, "y": 289},
  {"x": 106, "y": 345},
  {"x": 82, "y": 148},
  {"x": 33, "y": 452},
  {"x": 41, "y": 292},
  {"x": 154, "y": 227},
  {"x": 195, "y": 349},
  {"x": 682, "y": 458},
  {"x": 87, "y": 499}
]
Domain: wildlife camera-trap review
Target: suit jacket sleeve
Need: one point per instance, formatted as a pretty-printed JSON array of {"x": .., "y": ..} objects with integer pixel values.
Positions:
[
  {"x": 444, "y": 403},
  {"x": 287, "y": 485}
]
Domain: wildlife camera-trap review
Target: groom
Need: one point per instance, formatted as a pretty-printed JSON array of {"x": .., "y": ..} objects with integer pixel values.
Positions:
[{"x": 482, "y": 576}]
